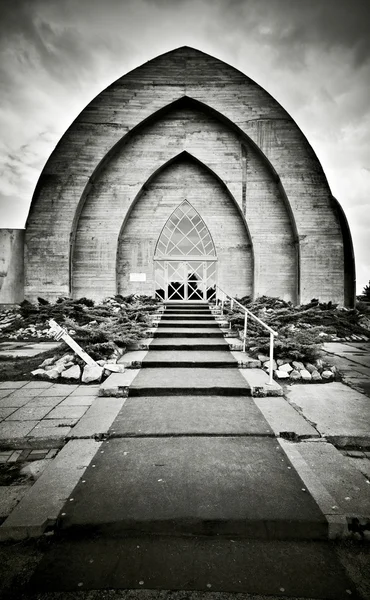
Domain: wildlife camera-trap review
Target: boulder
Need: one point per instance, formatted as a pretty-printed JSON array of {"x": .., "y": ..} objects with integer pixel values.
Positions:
[
  {"x": 281, "y": 374},
  {"x": 286, "y": 367},
  {"x": 38, "y": 373},
  {"x": 114, "y": 368},
  {"x": 316, "y": 376},
  {"x": 306, "y": 375},
  {"x": 73, "y": 372},
  {"x": 310, "y": 367},
  {"x": 263, "y": 358},
  {"x": 298, "y": 366},
  {"x": 327, "y": 375},
  {"x": 52, "y": 374},
  {"x": 266, "y": 365},
  {"x": 295, "y": 375},
  {"x": 65, "y": 359},
  {"x": 92, "y": 373},
  {"x": 47, "y": 362}
]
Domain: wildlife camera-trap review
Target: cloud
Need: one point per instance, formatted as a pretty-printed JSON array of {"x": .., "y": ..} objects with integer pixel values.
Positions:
[{"x": 313, "y": 56}]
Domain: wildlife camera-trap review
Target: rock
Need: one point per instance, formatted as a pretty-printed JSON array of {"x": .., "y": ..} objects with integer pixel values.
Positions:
[
  {"x": 92, "y": 373},
  {"x": 38, "y": 372},
  {"x": 114, "y": 368},
  {"x": 286, "y": 367},
  {"x": 319, "y": 364},
  {"x": 52, "y": 374},
  {"x": 310, "y": 367},
  {"x": 263, "y": 358},
  {"x": 266, "y": 365},
  {"x": 280, "y": 362},
  {"x": 281, "y": 374},
  {"x": 101, "y": 362},
  {"x": 327, "y": 375},
  {"x": 316, "y": 376},
  {"x": 66, "y": 358},
  {"x": 333, "y": 369},
  {"x": 73, "y": 372},
  {"x": 295, "y": 375},
  {"x": 35, "y": 468},
  {"x": 47, "y": 362},
  {"x": 306, "y": 375},
  {"x": 298, "y": 366}
]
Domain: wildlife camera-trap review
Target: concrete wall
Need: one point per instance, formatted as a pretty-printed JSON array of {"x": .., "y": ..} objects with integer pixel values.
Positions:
[
  {"x": 11, "y": 266},
  {"x": 244, "y": 136}
]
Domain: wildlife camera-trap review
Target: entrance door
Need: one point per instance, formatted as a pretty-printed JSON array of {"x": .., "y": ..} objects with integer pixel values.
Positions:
[{"x": 185, "y": 260}]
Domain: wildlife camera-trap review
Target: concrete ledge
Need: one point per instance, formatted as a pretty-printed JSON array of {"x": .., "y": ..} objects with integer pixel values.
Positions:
[
  {"x": 339, "y": 489},
  {"x": 140, "y": 345},
  {"x": 133, "y": 359},
  {"x": 98, "y": 419},
  {"x": 118, "y": 384},
  {"x": 41, "y": 506},
  {"x": 284, "y": 419},
  {"x": 258, "y": 381},
  {"x": 245, "y": 361}
]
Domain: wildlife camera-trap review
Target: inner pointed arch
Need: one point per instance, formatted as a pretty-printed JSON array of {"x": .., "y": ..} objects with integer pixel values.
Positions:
[{"x": 185, "y": 234}]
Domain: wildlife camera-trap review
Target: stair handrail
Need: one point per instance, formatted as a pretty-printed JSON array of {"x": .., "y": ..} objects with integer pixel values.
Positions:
[{"x": 247, "y": 313}]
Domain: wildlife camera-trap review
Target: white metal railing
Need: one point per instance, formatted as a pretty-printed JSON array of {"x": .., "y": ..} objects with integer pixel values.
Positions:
[{"x": 222, "y": 297}]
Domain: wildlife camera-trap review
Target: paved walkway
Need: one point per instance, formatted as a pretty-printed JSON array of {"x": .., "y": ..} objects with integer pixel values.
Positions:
[{"x": 187, "y": 452}]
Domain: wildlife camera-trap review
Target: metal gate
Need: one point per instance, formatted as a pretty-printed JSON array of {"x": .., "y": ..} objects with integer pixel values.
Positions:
[{"x": 186, "y": 281}]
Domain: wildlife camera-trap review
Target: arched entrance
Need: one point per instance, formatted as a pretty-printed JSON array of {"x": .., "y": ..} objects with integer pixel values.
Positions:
[{"x": 185, "y": 260}]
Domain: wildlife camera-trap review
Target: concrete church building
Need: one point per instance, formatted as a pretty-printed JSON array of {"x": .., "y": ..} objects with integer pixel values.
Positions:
[{"x": 182, "y": 174}]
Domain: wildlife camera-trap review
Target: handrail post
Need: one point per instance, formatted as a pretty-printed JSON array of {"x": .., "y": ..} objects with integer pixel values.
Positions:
[
  {"x": 245, "y": 330},
  {"x": 222, "y": 303},
  {"x": 271, "y": 358}
]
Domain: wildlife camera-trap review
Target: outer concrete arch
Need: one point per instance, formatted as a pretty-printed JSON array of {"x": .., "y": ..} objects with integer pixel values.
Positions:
[{"x": 132, "y": 99}]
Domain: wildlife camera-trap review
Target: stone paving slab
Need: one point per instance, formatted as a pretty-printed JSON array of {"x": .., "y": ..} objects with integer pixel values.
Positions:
[
  {"x": 15, "y": 430},
  {"x": 85, "y": 390},
  {"x": 67, "y": 412},
  {"x": 78, "y": 400},
  {"x": 283, "y": 418},
  {"x": 27, "y": 349},
  {"x": 11, "y": 385},
  {"x": 336, "y": 410},
  {"x": 59, "y": 389},
  {"x": 188, "y": 332},
  {"x": 6, "y": 411},
  {"x": 42, "y": 504},
  {"x": 118, "y": 384},
  {"x": 134, "y": 358},
  {"x": 194, "y": 324},
  {"x": 98, "y": 418},
  {"x": 180, "y": 381},
  {"x": 46, "y": 401},
  {"x": 38, "y": 385},
  {"x": 190, "y": 415},
  {"x": 10, "y": 495},
  {"x": 345, "y": 484},
  {"x": 5, "y": 393},
  {"x": 234, "y": 486},
  {"x": 29, "y": 413},
  {"x": 54, "y": 430}
]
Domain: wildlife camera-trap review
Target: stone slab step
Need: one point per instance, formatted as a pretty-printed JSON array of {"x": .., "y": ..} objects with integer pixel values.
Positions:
[
  {"x": 259, "y": 383},
  {"x": 189, "y": 332},
  {"x": 188, "y": 344},
  {"x": 237, "y": 486},
  {"x": 190, "y": 323},
  {"x": 185, "y": 317},
  {"x": 189, "y": 415},
  {"x": 189, "y": 358},
  {"x": 254, "y": 567},
  {"x": 195, "y": 381}
]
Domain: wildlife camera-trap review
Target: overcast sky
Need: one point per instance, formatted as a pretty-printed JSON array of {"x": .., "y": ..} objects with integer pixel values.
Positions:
[{"x": 313, "y": 56}]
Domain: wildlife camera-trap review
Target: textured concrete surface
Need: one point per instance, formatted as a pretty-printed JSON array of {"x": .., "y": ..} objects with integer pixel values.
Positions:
[
  {"x": 273, "y": 569},
  {"x": 26, "y": 349},
  {"x": 98, "y": 419},
  {"x": 226, "y": 381},
  {"x": 10, "y": 496},
  {"x": 188, "y": 415},
  {"x": 42, "y": 504},
  {"x": 283, "y": 418},
  {"x": 259, "y": 384},
  {"x": 336, "y": 410},
  {"x": 118, "y": 384},
  {"x": 237, "y": 486},
  {"x": 184, "y": 343},
  {"x": 189, "y": 358}
]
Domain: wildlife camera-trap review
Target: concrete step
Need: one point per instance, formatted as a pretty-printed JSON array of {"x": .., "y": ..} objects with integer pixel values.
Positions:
[
  {"x": 189, "y": 332},
  {"x": 230, "y": 486},
  {"x": 185, "y": 316},
  {"x": 189, "y": 358},
  {"x": 195, "y": 381},
  {"x": 189, "y": 344},
  {"x": 189, "y": 415},
  {"x": 190, "y": 323}
]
